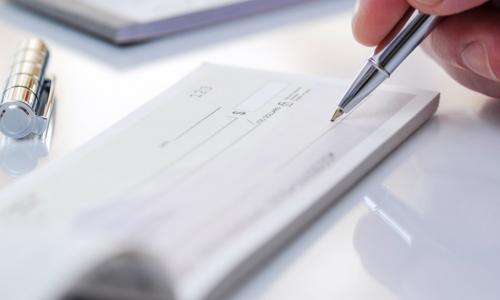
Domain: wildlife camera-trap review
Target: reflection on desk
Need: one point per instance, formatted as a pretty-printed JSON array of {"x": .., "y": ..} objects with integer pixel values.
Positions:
[
  {"x": 20, "y": 156},
  {"x": 432, "y": 239}
]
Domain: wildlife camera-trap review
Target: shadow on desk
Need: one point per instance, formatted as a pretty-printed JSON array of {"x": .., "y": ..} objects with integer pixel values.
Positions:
[
  {"x": 491, "y": 112},
  {"x": 180, "y": 43}
]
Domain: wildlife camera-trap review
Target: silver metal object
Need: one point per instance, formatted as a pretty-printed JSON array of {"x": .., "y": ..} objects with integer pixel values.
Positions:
[
  {"x": 413, "y": 28},
  {"x": 28, "y": 97},
  {"x": 21, "y": 156}
]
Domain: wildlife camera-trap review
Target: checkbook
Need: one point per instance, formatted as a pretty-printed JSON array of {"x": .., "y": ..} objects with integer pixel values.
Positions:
[
  {"x": 186, "y": 196},
  {"x": 132, "y": 21}
]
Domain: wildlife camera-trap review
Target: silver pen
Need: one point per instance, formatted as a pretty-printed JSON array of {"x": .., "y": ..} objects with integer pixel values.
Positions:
[
  {"x": 27, "y": 101},
  {"x": 413, "y": 28}
]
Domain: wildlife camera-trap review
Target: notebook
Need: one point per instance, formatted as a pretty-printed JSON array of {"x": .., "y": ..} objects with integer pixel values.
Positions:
[
  {"x": 186, "y": 196},
  {"x": 129, "y": 21}
]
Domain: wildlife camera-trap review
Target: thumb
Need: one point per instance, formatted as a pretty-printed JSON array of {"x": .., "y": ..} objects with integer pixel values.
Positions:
[{"x": 470, "y": 41}]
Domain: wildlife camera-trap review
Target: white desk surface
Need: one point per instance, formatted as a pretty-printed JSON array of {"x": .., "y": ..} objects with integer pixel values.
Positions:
[{"x": 422, "y": 225}]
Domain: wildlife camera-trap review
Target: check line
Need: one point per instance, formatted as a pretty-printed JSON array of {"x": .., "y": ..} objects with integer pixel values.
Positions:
[{"x": 196, "y": 124}]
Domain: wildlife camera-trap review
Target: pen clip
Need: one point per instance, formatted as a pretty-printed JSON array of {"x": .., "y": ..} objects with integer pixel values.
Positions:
[{"x": 45, "y": 105}]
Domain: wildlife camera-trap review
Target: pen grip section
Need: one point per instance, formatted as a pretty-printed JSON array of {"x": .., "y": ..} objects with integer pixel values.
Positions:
[{"x": 411, "y": 30}]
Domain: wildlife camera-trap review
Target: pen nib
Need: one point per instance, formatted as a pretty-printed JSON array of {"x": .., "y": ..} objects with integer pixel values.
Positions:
[{"x": 339, "y": 112}]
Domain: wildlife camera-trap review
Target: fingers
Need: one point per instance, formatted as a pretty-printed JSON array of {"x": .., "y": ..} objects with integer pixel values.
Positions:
[
  {"x": 374, "y": 19},
  {"x": 467, "y": 44},
  {"x": 468, "y": 47},
  {"x": 473, "y": 81}
]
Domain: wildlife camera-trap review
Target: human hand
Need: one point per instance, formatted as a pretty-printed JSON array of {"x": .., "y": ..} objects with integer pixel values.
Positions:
[{"x": 466, "y": 43}]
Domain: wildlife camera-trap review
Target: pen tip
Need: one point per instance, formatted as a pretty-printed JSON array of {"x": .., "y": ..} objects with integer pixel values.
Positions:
[{"x": 339, "y": 112}]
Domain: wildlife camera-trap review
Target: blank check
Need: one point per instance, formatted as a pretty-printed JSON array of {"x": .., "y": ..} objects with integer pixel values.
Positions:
[{"x": 219, "y": 170}]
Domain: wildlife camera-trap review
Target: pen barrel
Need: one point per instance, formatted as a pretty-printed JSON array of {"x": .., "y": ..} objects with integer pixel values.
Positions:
[
  {"x": 411, "y": 30},
  {"x": 21, "y": 97},
  {"x": 27, "y": 73}
]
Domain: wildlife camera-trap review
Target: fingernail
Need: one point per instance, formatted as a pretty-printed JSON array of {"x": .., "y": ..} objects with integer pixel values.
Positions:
[
  {"x": 356, "y": 7},
  {"x": 356, "y": 11},
  {"x": 429, "y": 2},
  {"x": 475, "y": 58}
]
